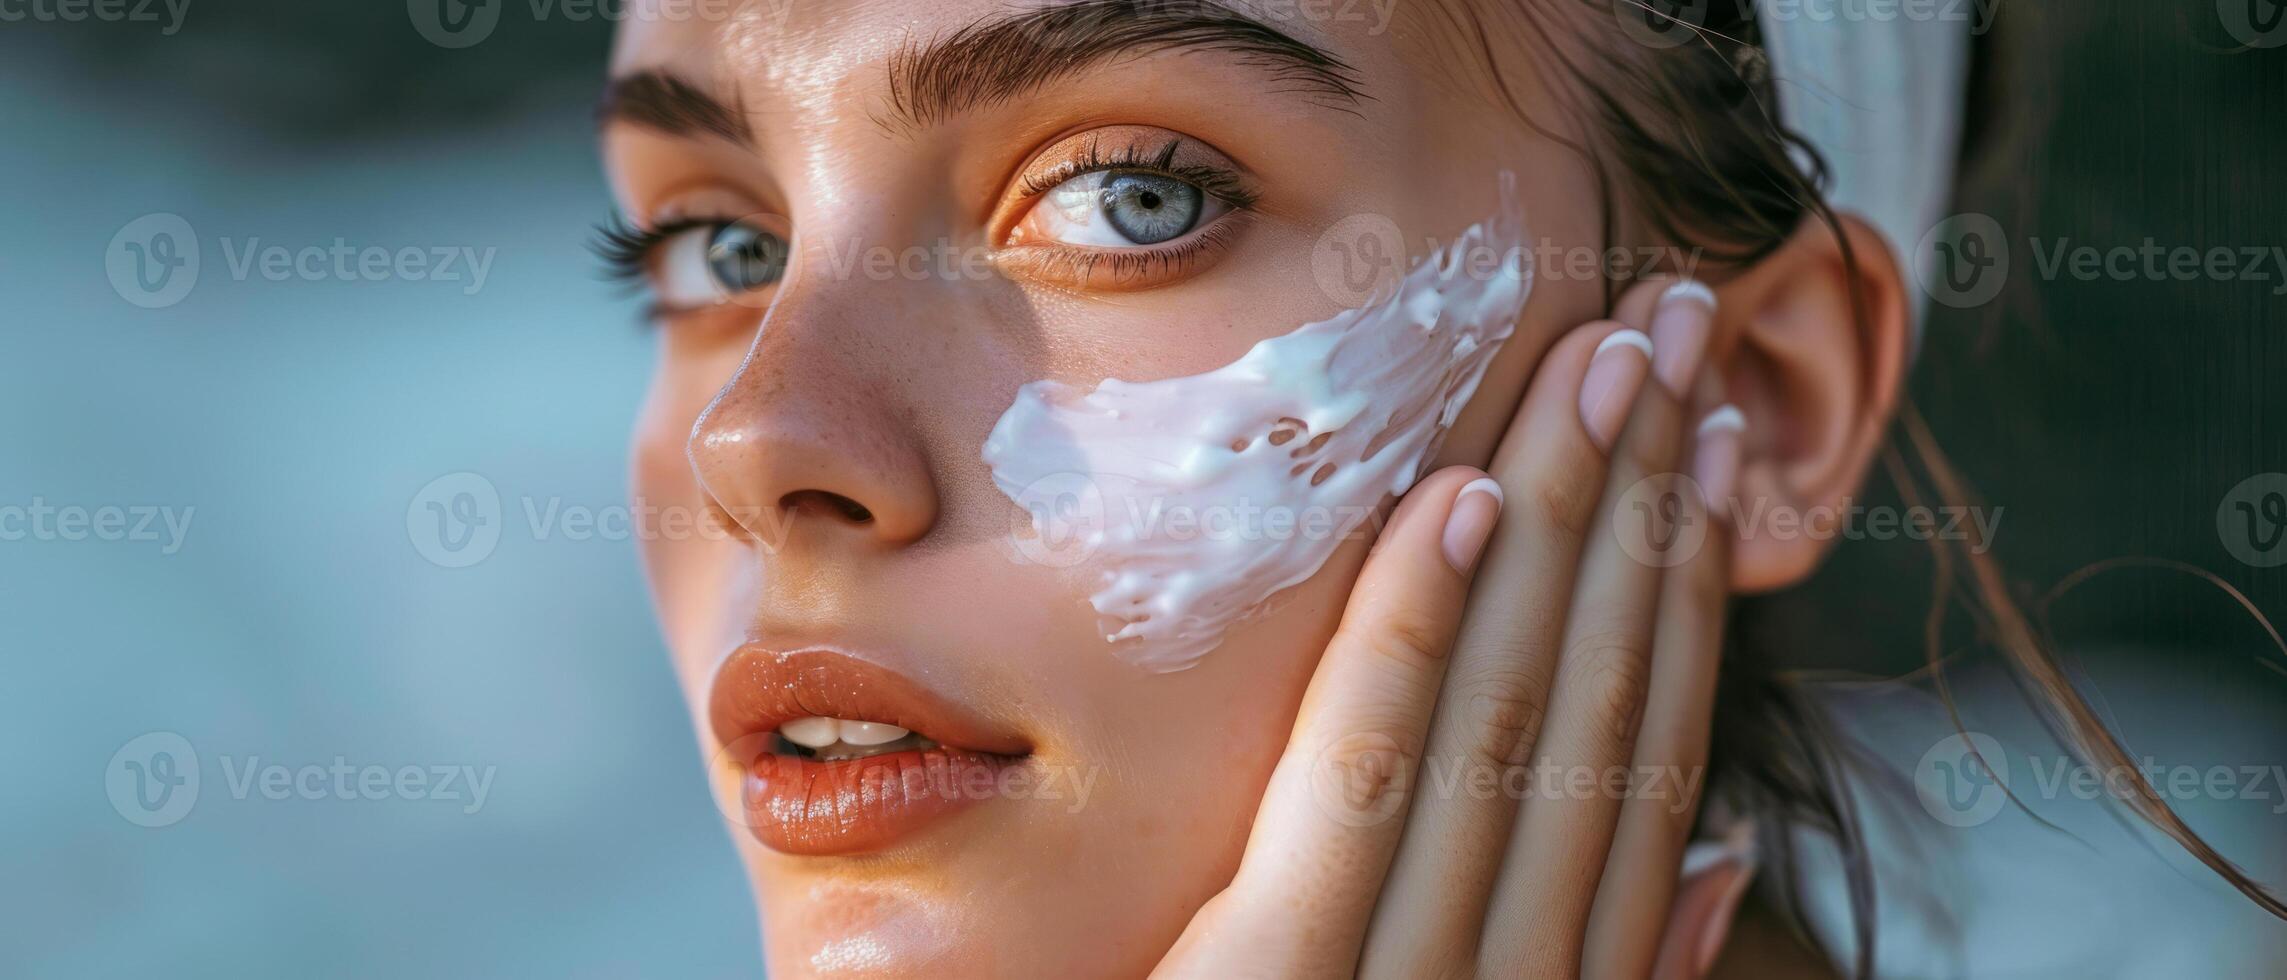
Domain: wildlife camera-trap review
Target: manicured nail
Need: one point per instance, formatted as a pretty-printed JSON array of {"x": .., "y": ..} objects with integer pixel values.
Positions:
[
  {"x": 1734, "y": 856},
  {"x": 1615, "y": 374},
  {"x": 1715, "y": 464},
  {"x": 1681, "y": 324},
  {"x": 1470, "y": 523}
]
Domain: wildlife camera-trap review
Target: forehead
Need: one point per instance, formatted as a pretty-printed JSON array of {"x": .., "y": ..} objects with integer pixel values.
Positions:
[{"x": 815, "y": 54}]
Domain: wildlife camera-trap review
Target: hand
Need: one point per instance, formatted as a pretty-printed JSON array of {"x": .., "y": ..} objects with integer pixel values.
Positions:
[{"x": 1423, "y": 820}]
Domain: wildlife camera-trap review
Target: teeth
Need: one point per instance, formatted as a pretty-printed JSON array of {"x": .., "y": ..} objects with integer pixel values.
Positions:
[
  {"x": 812, "y": 732},
  {"x": 818, "y": 733},
  {"x": 871, "y": 733}
]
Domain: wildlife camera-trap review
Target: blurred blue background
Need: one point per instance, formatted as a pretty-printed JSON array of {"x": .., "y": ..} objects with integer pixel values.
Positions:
[{"x": 295, "y": 422}]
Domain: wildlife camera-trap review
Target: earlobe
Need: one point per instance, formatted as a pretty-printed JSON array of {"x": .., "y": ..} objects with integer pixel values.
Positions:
[{"x": 1812, "y": 342}]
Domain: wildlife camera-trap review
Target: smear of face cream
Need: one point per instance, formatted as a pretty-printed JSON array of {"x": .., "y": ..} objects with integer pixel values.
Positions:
[{"x": 1198, "y": 498}]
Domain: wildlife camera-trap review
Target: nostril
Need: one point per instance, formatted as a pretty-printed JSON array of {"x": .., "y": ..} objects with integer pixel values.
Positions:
[{"x": 849, "y": 510}]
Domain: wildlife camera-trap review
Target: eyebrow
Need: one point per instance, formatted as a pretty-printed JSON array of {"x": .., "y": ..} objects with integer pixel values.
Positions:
[
  {"x": 996, "y": 60},
  {"x": 670, "y": 105}
]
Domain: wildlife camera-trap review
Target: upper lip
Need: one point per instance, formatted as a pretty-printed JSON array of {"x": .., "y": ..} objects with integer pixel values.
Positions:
[{"x": 759, "y": 688}]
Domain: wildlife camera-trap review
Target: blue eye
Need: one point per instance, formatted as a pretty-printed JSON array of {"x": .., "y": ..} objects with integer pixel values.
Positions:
[
  {"x": 742, "y": 257},
  {"x": 1115, "y": 208},
  {"x": 695, "y": 263},
  {"x": 1146, "y": 208}
]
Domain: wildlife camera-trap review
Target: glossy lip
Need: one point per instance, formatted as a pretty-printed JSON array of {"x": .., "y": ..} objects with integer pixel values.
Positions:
[{"x": 805, "y": 806}]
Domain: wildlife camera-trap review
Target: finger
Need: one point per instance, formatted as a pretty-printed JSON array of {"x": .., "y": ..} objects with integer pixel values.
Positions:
[
  {"x": 1336, "y": 802},
  {"x": 1670, "y": 765},
  {"x": 1563, "y": 832},
  {"x": 1552, "y": 470},
  {"x": 1682, "y": 326},
  {"x": 1716, "y": 876}
]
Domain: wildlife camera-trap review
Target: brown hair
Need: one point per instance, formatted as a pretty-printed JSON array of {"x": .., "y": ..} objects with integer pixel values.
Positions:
[{"x": 1688, "y": 149}]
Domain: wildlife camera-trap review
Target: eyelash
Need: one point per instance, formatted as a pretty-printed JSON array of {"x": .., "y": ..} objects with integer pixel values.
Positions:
[
  {"x": 1080, "y": 263},
  {"x": 1222, "y": 184},
  {"x": 626, "y": 249}
]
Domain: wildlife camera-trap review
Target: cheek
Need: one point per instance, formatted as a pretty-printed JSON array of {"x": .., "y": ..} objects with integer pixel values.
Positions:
[
  {"x": 1200, "y": 497},
  {"x": 1193, "y": 750},
  {"x": 684, "y": 567},
  {"x": 1478, "y": 431}
]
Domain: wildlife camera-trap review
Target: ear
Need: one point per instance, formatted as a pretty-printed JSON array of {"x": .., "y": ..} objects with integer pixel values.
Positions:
[{"x": 1817, "y": 384}]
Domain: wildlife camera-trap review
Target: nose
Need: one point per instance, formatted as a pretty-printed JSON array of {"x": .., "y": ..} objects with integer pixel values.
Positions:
[{"x": 807, "y": 438}]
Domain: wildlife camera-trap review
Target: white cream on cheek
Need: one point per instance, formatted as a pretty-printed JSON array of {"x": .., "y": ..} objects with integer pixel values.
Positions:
[{"x": 1198, "y": 498}]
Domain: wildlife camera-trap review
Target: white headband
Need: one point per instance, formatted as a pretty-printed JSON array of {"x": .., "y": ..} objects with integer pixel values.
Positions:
[{"x": 1881, "y": 99}]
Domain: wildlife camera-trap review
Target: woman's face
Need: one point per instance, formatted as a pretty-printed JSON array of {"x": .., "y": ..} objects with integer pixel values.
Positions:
[{"x": 831, "y": 421}]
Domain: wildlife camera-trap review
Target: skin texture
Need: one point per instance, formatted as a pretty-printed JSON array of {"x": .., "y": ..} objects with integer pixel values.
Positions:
[{"x": 880, "y": 390}]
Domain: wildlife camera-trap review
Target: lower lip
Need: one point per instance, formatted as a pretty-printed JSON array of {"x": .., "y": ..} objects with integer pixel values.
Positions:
[{"x": 804, "y": 806}]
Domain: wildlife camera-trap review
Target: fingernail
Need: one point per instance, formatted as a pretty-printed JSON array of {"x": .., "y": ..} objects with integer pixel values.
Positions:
[
  {"x": 1715, "y": 464},
  {"x": 1735, "y": 855},
  {"x": 1681, "y": 324},
  {"x": 1615, "y": 374},
  {"x": 1470, "y": 523}
]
